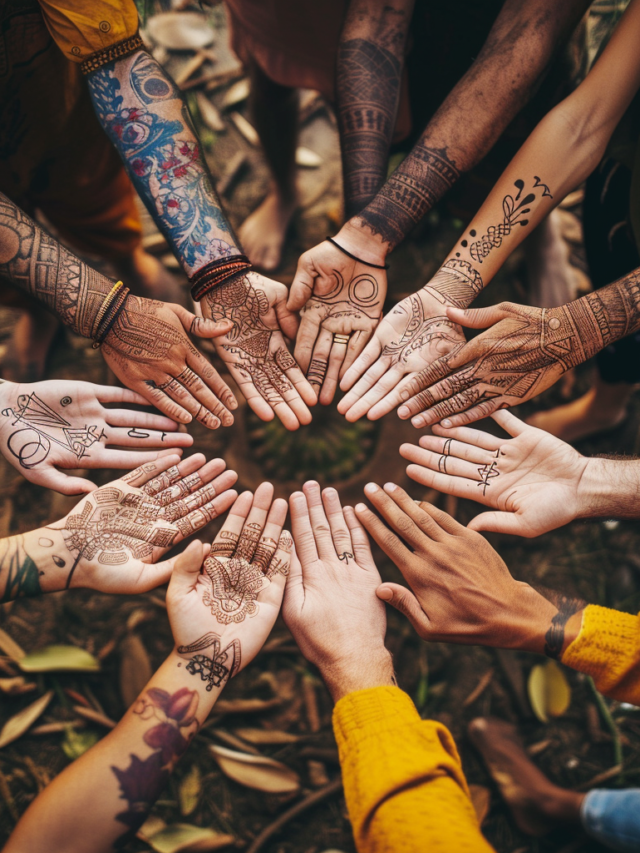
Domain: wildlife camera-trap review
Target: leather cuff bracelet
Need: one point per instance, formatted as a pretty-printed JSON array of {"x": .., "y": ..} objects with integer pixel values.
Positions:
[{"x": 216, "y": 273}]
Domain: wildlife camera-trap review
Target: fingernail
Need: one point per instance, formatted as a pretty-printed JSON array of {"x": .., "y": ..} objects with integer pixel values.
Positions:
[
  {"x": 418, "y": 422},
  {"x": 390, "y": 487},
  {"x": 403, "y": 412},
  {"x": 361, "y": 508},
  {"x": 446, "y": 423},
  {"x": 370, "y": 488},
  {"x": 384, "y": 594}
]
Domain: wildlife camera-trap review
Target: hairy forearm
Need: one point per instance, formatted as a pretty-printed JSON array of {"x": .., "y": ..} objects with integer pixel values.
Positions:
[
  {"x": 368, "y": 77},
  {"x": 610, "y": 487},
  {"x": 148, "y": 121},
  {"x": 517, "y": 53},
  {"x": 107, "y": 793},
  {"x": 34, "y": 262}
]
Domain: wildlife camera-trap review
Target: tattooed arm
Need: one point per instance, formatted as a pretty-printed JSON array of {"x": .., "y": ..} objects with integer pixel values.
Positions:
[
  {"x": 561, "y": 152},
  {"x": 105, "y": 796},
  {"x": 114, "y": 539}
]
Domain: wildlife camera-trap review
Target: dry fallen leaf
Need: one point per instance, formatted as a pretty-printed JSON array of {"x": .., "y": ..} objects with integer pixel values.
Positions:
[
  {"x": 209, "y": 113},
  {"x": 307, "y": 158},
  {"x": 20, "y": 722},
  {"x": 266, "y": 736},
  {"x": 184, "y": 838},
  {"x": 10, "y": 647},
  {"x": 549, "y": 691},
  {"x": 180, "y": 30},
  {"x": 189, "y": 791},
  {"x": 15, "y": 686},
  {"x": 236, "y": 93},
  {"x": 245, "y": 127},
  {"x": 245, "y": 706},
  {"x": 255, "y": 771},
  {"x": 135, "y": 668},
  {"x": 481, "y": 800},
  {"x": 59, "y": 659}
]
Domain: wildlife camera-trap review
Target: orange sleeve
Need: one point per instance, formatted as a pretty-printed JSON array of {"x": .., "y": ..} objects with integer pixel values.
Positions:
[
  {"x": 608, "y": 649},
  {"x": 403, "y": 780}
]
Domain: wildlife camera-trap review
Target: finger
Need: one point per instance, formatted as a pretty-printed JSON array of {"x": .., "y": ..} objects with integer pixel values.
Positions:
[
  {"x": 224, "y": 545},
  {"x": 442, "y": 518},
  {"x": 448, "y": 408},
  {"x": 51, "y": 478},
  {"x": 151, "y": 576},
  {"x": 476, "y": 437},
  {"x": 450, "y": 447},
  {"x": 130, "y": 419},
  {"x": 510, "y": 423},
  {"x": 186, "y": 569},
  {"x": 416, "y": 391},
  {"x": 199, "y": 518},
  {"x": 211, "y": 412},
  {"x": 338, "y": 526},
  {"x": 500, "y": 522},
  {"x": 183, "y": 506},
  {"x": 372, "y": 404},
  {"x": 170, "y": 474},
  {"x": 479, "y": 318},
  {"x": 405, "y": 601},
  {"x": 357, "y": 343},
  {"x": 115, "y": 394},
  {"x": 317, "y": 369},
  {"x": 294, "y": 588},
  {"x": 360, "y": 540},
  {"x": 364, "y": 361},
  {"x": 263, "y": 397},
  {"x": 253, "y": 527},
  {"x": 157, "y": 397},
  {"x": 404, "y": 516},
  {"x": 336, "y": 358},
  {"x": 476, "y": 413},
  {"x": 457, "y": 486},
  {"x": 303, "y": 393},
  {"x": 393, "y": 547},
  {"x": 302, "y": 285},
  {"x": 179, "y": 388},
  {"x": 191, "y": 476},
  {"x": 362, "y": 387},
  {"x": 306, "y": 339},
  {"x": 281, "y": 559},
  {"x": 149, "y": 470},
  {"x": 287, "y": 320},
  {"x": 198, "y": 325},
  {"x": 268, "y": 544},
  {"x": 136, "y": 437},
  {"x": 392, "y": 399},
  {"x": 319, "y": 522},
  {"x": 305, "y": 543},
  {"x": 447, "y": 463},
  {"x": 216, "y": 389}
]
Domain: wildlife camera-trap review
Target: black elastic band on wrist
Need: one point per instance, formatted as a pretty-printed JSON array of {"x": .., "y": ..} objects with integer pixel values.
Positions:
[
  {"x": 354, "y": 258},
  {"x": 554, "y": 638},
  {"x": 110, "y": 318}
]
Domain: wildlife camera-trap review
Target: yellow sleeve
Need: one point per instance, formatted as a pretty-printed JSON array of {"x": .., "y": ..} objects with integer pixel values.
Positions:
[
  {"x": 84, "y": 28},
  {"x": 608, "y": 649},
  {"x": 403, "y": 780}
]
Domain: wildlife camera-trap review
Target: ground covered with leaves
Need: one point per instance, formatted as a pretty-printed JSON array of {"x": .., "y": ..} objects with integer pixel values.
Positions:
[{"x": 278, "y": 707}]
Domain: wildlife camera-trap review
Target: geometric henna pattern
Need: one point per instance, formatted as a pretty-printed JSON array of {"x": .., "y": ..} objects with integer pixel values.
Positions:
[
  {"x": 235, "y": 585},
  {"x": 457, "y": 281},
  {"x": 217, "y": 669}
]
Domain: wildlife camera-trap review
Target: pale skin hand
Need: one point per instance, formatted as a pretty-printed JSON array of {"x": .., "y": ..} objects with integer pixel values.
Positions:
[
  {"x": 330, "y": 604},
  {"x": 336, "y": 295},
  {"x": 255, "y": 349},
  {"x": 114, "y": 539},
  {"x": 34, "y": 441},
  {"x": 190, "y": 591},
  {"x": 409, "y": 338},
  {"x": 531, "y": 481},
  {"x": 460, "y": 589},
  {"x": 150, "y": 352}
]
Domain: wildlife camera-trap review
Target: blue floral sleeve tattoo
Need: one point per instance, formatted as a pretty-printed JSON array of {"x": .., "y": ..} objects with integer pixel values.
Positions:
[{"x": 148, "y": 121}]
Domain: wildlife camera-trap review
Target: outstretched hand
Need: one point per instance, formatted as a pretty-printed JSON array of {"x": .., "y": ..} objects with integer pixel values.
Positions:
[
  {"x": 531, "y": 480},
  {"x": 113, "y": 539},
  {"x": 149, "y": 350},
  {"x": 337, "y": 296},
  {"x": 254, "y": 348},
  {"x": 222, "y": 612},
  {"x": 64, "y": 424},
  {"x": 460, "y": 590}
]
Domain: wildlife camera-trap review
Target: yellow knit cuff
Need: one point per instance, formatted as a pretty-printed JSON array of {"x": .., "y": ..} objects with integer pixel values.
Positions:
[{"x": 370, "y": 712}]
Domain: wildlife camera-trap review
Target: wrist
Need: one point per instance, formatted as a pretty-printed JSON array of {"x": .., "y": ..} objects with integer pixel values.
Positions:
[
  {"x": 609, "y": 487},
  {"x": 358, "y": 673},
  {"x": 361, "y": 242},
  {"x": 530, "y": 621}
]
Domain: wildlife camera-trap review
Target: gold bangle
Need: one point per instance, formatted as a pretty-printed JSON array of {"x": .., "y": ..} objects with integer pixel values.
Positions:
[{"x": 105, "y": 307}]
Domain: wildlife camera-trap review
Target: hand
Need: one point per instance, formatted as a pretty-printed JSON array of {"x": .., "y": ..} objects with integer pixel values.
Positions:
[
  {"x": 533, "y": 479},
  {"x": 460, "y": 589},
  {"x": 411, "y": 336},
  {"x": 63, "y": 424},
  {"x": 525, "y": 352},
  {"x": 112, "y": 540},
  {"x": 150, "y": 352},
  {"x": 330, "y": 604},
  {"x": 255, "y": 350},
  {"x": 222, "y": 613},
  {"x": 337, "y": 295}
]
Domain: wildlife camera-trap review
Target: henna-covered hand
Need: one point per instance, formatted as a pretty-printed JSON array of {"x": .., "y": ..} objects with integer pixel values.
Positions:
[
  {"x": 112, "y": 540},
  {"x": 460, "y": 589},
  {"x": 336, "y": 296},
  {"x": 222, "y": 612},
  {"x": 255, "y": 350},
  {"x": 410, "y": 337},
  {"x": 149, "y": 350},
  {"x": 531, "y": 481},
  {"x": 56, "y": 424}
]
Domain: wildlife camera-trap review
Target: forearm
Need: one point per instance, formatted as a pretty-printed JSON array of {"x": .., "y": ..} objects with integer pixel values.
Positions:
[
  {"x": 368, "y": 78},
  {"x": 609, "y": 488},
  {"x": 518, "y": 51},
  {"x": 34, "y": 262},
  {"x": 147, "y": 119},
  {"x": 33, "y": 563},
  {"x": 108, "y": 792}
]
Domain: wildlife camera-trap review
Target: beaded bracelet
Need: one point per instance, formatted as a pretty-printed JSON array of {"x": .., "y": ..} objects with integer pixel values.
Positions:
[
  {"x": 105, "y": 305},
  {"x": 355, "y": 257},
  {"x": 109, "y": 313},
  {"x": 216, "y": 273}
]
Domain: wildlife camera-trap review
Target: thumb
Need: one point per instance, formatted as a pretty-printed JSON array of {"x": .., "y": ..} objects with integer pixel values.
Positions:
[
  {"x": 477, "y": 318},
  {"x": 200, "y": 326},
  {"x": 499, "y": 522},
  {"x": 53, "y": 479},
  {"x": 405, "y": 601},
  {"x": 186, "y": 568},
  {"x": 301, "y": 287}
]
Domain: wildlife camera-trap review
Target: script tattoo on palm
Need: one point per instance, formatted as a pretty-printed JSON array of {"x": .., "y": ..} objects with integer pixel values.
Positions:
[
  {"x": 255, "y": 346},
  {"x": 217, "y": 669}
]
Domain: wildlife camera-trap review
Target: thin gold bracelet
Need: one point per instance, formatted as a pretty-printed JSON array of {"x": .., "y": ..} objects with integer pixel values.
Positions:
[{"x": 105, "y": 306}]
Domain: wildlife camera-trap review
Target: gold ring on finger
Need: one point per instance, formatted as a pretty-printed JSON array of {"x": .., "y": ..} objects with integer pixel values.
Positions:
[{"x": 341, "y": 339}]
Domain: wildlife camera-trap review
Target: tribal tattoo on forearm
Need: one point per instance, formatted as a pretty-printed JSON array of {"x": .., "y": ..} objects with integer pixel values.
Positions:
[
  {"x": 148, "y": 121},
  {"x": 456, "y": 283},
  {"x": 36, "y": 263},
  {"x": 19, "y": 575}
]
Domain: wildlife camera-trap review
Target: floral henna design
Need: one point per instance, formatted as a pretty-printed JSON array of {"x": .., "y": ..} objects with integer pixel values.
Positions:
[
  {"x": 235, "y": 585},
  {"x": 217, "y": 669}
]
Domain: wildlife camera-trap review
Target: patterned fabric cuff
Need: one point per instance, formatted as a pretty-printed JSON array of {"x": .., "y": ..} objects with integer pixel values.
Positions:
[{"x": 111, "y": 53}]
